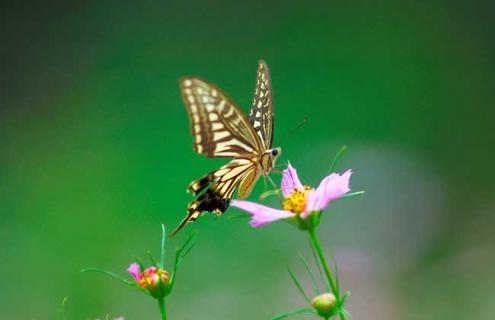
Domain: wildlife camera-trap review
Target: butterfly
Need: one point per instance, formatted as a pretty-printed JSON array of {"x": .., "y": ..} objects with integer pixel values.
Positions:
[{"x": 221, "y": 130}]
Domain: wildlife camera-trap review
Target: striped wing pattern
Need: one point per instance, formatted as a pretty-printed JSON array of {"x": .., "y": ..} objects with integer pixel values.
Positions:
[
  {"x": 219, "y": 127},
  {"x": 261, "y": 115},
  {"x": 220, "y": 186}
]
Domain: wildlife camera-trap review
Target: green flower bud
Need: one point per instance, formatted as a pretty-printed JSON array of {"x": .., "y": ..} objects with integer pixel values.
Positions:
[{"x": 325, "y": 304}]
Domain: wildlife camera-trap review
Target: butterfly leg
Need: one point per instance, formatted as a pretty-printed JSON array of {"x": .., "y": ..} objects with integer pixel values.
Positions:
[{"x": 265, "y": 185}]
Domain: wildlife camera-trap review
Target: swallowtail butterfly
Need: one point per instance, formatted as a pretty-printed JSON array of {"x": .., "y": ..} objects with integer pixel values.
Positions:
[{"x": 221, "y": 130}]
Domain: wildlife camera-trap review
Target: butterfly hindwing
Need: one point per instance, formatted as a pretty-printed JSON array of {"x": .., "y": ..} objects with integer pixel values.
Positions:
[{"x": 220, "y": 186}]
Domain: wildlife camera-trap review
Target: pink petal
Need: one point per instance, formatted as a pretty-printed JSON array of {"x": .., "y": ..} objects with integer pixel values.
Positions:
[
  {"x": 135, "y": 271},
  {"x": 290, "y": 181},
  {"x": 150, "y": 270},
  {"x": 261, "y": 215},
  {"x": 332, "y": 187}
]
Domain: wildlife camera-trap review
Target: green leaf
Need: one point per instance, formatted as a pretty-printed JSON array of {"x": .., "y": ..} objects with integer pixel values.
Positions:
[
  {"x": 61, "y": 310},
  {"x": 140, "y": 263},
  {"x": 162, "y": 247},
  {"x": 111, "y": 274},
  {"x": 152, "y": 260},
  {"x": 311, "y": 274},
  {"x": 352, "y": 194},
  {"x": 345, "y": 297},
  {"x": 298, "y": 285},
  {"x": 337, "y": 157},
  {"x": 293, "y": 313},
  {"x": 336, "y": 269},
  {"x": 180, "y": 253}
]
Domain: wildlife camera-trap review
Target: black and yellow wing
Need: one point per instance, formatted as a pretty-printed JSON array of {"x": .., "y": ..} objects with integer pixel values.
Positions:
[
  {"x": 220, "y": 129},
  {"x": 261, "y": 115},
  {"x": 215, "y": 189},
  {"x": 218, "y": 126}
]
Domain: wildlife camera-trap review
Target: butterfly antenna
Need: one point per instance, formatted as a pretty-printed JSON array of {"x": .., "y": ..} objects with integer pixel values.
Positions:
[
  {"x": 293, "y": 130},
  {"x": 265, "y": 186}
]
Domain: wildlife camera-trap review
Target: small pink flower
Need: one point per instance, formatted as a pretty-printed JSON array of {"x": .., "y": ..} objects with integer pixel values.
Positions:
[
  {"x": 299, "y": 200},
  {"x": 135, "y": 271}
]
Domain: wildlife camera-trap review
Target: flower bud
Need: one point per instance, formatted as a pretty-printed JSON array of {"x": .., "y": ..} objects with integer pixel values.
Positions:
[
  {"x": 153, "y": 279},
  {"x": 325, "y": 304},
  {"x": 156, "y": 280}
]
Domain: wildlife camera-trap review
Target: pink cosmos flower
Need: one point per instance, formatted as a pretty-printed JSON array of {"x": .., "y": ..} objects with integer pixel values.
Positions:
[
  {"x": 150, "y": 277},
  {"x": 299, "y": 200}
]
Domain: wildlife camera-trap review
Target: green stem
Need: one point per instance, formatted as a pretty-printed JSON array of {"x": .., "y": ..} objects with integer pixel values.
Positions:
[
  {"x": 323, "y": 261},
  {"x": 163, "y": 311},
  {"x": 328, "y": 272}
]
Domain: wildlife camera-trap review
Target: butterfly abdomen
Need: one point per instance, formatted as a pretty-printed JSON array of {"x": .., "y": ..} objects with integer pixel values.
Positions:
[{"x": 210, "y": 201}]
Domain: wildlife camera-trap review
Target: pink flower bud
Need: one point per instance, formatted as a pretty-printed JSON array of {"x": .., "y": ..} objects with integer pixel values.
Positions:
[{"x": 155, "y": 280}]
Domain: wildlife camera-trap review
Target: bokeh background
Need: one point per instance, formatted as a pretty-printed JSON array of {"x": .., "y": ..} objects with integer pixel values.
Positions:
[{"x": 95, "y": 153}]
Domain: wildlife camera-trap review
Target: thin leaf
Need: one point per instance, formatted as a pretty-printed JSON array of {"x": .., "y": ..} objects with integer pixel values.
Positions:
[
  {"x": 162, "y": 247},
  {"x": 352, "y": 194},
  {"x": 311, "y": 274},
  {"x": 344, "y": 314},
  {"x": 184, "y": 253},
  {"x": 298, "y": 285},
  {"x": 180, "y": 253},
  {"x": 152, "y": 260},
  {"x": 61, "y": 310},
  {"x": 111, "y": 274},
  {"x": 336, "y": 269},
  {"x": 320, "y": 270},
  {"x": 345, "y": 297},
  {"x": 140, "y": 263},
  {"x": 293, "y": 313},
  {"x": 337, "y": 157}
]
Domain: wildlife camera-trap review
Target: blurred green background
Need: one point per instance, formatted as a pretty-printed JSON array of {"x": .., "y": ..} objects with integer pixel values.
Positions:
[{"x": 95, "y": 153}]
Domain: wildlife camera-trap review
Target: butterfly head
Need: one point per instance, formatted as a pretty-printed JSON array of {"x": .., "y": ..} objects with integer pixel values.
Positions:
[{"x": 269, "y": 159}]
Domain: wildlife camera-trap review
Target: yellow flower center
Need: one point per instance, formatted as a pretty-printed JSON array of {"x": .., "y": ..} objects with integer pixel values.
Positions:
[{"x": 296, "y": 201}]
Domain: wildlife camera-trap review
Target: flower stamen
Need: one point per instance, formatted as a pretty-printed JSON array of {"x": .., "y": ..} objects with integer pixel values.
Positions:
[{"x": 296, "y": 201}]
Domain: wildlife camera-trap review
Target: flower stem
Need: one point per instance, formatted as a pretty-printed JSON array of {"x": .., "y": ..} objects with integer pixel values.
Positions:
[
  {"x": 324, "y": 263},
  {"x": 163, "y": 311}
]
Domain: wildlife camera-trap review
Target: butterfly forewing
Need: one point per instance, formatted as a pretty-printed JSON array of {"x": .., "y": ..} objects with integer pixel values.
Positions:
[
  {"x": 218, "y": 126},
  {"x": 261, "y": 115}
]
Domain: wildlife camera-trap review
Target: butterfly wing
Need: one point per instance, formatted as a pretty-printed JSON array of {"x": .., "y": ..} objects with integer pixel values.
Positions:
[
  {"x": 220, "y": 186},
  {"x": 261, "y": 115},
  {"x": 219, "y": 127}
]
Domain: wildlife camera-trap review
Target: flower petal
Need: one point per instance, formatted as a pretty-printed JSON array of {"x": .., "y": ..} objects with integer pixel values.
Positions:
[
  {"x": 332, "y": 187},
  {"x": 135, "y": 271},
  {"x": 261, "y": 215},
  {"x": 290, "y": 181}
]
